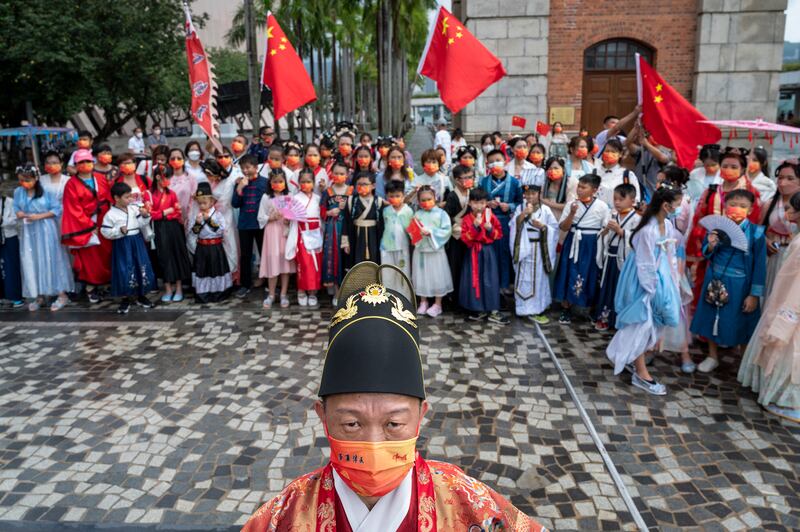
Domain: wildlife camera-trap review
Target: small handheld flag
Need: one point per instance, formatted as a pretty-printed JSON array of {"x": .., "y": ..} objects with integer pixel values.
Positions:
[
  {"x": 542, "y": 128},
  {"x": 518, "y": 121}
]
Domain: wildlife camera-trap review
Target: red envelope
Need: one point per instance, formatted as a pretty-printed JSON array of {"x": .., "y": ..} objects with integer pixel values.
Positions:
[{"x": 414, "y": 230}]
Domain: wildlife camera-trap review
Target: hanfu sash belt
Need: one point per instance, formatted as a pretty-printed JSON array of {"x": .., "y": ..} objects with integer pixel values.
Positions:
[
  {"x": 610, "y": 254},
  {"x": 209, "y": 241},
  {"x": 361, "y": 222},
  {"x": 476, "y": 278},
  {"x": 574, "y": 250}
]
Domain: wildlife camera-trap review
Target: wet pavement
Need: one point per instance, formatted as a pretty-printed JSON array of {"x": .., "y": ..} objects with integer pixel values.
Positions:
[{"x": 187, "y": 418}]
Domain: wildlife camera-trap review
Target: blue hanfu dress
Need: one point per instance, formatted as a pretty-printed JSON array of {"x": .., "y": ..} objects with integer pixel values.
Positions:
[
  {"x": 131, "y": 271},
  {"x": 743, "y": 274},
  {"x": 333, "y": 258},
  {"x": 45, "y": 264},
  {"x": 647, "y": 298},
  {"x": 508, "y": 190},
  {"x": 577, "y": 276}
]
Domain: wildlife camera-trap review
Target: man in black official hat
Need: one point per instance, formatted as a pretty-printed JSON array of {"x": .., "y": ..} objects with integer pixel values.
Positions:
[{"x": 372, "y": 401}]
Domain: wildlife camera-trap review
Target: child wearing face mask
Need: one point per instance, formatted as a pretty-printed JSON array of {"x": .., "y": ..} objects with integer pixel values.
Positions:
[
  {"x": 274, "y": 265},
  {"x": 431, "y": 176},
  {"x": 742, "y": 273},
  {"x": 467, "y": 156},
  {"x": 395, "y": 245},
  {"x": 181, "y": 183},
  {"x": 613, "y": 174},
  {"x": 44, "y": 262},
  {"x": 505, "y": 193},
  {"x": 86, "y": 201},
  {"x": 430, "y": 270},
  {"x": 363, "y": 160},
  {"x": 304, "y": 243},
  {"x": 363, "y": 223},
  {"x": 456, "y": 205},
  {"x": 312, "y": 160},
  {"x": 537, "y": 158},
  {"x": 170, "y": 237},
  {"x": 212, "y": 275},
  {"x": 84, "y": 142},
  {"x": 520, "y": 167},
  {"x": 103, "y": 167},
  {"x": 397, "y": 169},
  {"x": 250, "y": 188},
  {"x": 239, "y": 148},
  {"x": 54, "y": 179},
  {"x": 292, "y": 162},
  {"x": 332, "y": 211}
]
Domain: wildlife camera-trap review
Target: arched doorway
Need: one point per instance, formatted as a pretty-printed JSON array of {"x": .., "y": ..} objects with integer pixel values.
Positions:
[{"x": 609, "y": 80}]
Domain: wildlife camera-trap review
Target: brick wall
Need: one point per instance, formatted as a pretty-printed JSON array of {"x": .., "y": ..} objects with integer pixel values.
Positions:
[{"x": 669, "y": 27}]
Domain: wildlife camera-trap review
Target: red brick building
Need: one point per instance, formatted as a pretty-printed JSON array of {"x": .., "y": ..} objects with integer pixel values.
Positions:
[{"x": 572, "y": 60}]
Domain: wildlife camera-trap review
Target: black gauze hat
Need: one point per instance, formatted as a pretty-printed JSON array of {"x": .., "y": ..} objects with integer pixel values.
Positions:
[{"x": 373, "y": 342}]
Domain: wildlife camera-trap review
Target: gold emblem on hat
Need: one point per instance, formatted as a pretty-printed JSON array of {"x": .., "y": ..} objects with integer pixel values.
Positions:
[
  {"x": 401, "y": 314},
  {"x": 348, "y": 311},
  {"x": 374, "y": 294}
]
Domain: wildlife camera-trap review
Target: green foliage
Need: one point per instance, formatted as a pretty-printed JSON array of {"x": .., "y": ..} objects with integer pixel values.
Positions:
[
  {"x": 126, "y": 57},
  {"x": 229, "y": 65},
  {"x": 791, "y": 67}
]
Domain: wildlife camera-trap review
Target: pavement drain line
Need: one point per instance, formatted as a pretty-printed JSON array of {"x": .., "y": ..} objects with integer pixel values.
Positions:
[{"x": 612, "y": 469}]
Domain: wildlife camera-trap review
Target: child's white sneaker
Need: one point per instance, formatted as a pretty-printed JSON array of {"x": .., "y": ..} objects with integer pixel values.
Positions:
[
  {"x": 423, "y": 308},
  {"x": 708, "y": 365},
  {"x": 267, "y": 304},
  {"x": 435, "y": 311},
  {"x": 302, "y": 300},
  {"x": 312, "y": 301}
]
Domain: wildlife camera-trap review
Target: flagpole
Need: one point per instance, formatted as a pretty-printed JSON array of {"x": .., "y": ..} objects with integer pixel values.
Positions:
[
  {"x": 431, "y": 29},
  {"x": 638, "y": 80},
  {"x": 252, "y": 66}
]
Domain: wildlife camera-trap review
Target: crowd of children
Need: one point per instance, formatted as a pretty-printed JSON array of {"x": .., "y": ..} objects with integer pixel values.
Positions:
[{"x": 511, "y": 221}]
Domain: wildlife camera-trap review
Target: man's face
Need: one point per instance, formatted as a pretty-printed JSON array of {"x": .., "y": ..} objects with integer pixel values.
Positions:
[
  {"x": 611, "y": 122},
  {"x": 267, "y": 137},
  {"x": 374, "y": 417}
]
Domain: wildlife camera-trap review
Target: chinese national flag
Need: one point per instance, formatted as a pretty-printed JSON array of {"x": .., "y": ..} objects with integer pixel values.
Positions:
[
  {"x": 670, "y": 119},
  {"x": 284, "y": 73},
  {"x": 414, "y": 231},
  {"x": 460, "y": 65},
  {"x": 542, "y": 128},
  {"x": 518, "y": 121}
]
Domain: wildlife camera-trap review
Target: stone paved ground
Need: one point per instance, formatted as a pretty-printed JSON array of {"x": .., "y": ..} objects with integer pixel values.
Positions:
[{"x": 186, "y": 418}]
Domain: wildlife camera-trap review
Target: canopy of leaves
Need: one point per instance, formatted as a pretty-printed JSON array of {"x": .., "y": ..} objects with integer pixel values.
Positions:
[
  {"x": 229, "y": 65},
  {"x": 125, "y": 57}
]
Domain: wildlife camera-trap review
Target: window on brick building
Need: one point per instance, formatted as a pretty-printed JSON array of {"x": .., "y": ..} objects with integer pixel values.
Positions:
[{"x": 615, "y": 54}]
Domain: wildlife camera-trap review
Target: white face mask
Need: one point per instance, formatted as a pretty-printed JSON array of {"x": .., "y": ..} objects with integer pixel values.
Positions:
[
  {"x": 194, "y": 155},
  {"x": 496, "y": 164},
  {"x": 487, "y": 148},
  {"x": 138, "y": 134}
]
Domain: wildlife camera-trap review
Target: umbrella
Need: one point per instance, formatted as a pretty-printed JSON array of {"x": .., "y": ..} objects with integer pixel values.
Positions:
[
  {"x": 32, "y": 132},
  {"x": 756, "y": 125}
]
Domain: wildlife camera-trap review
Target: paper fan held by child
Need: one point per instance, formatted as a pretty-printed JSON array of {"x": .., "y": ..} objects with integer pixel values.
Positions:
[
  {"x": 723, "y": 224},
  {"x": 290, "y": 208}
]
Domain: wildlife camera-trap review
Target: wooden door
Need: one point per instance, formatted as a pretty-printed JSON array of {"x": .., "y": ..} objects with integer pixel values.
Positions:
[{"x": 606, "y": 93}]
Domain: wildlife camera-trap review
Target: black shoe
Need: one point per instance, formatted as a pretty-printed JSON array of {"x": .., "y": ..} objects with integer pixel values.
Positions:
[
  {"x": 124, "y": 307},
  {"x": 477, "y": 316},
  {"x": 242, "y": 292},
  {"x": 143, "y": 302},
  {"x": 565, "y": 318},
  {"x": 496, "y": 317},
  {"x": 94, "y": 297}
]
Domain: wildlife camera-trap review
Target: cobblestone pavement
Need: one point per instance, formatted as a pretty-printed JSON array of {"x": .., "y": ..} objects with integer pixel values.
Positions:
[{"x": 187, "y": 418}]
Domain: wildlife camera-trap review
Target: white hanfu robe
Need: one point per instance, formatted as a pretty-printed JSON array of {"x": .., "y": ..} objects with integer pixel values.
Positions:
[
  {"x": 223, "y": 192},
  {"x": 387, "y": 514},
  {"x": 534, "y": 257}
]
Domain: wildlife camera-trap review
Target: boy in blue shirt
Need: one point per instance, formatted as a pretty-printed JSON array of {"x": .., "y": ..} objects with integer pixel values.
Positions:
[{"x": 247, "y": 198}]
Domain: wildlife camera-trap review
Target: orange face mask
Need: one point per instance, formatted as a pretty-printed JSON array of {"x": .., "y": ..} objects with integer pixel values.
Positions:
[
  {"x": 427, "y": 205},
  {"x": 711, "y": 169},
  {"x": 275, "y": 163},
  {"x": 364, "y": 190},
  {"x": 104, "y": 158},
  {"x": 345, "y": 149},
  {"x": 395, "y": 164},
  {"x": 127, "y": 168},
  {"x": 536, "y": 157},
  {"x": 306, "y": 186},
  {"x": 431, "y": 168},
  {"x": 292, "y": 160},
  {"x": 468, "y": 183},
  {"x": 469, "y": 162},
  {"x": 312, "y": 161},
  {"x": 52, "y": 168},
  {"x": 610, "y": 159},
  {"x": 83, "y": 143},
  {"x": 520, "y": 153},
  {"x": 753, "y": 167},
  {"x": 278, "y": 186},
  {"x": 339, "y": 179},
  {"x": 237, "y": 147},
  {"x": 554, "y": 174},
  {"x": 582, "y": 153},
  {"x": 737, "y": 214},
  {"x": 395, "y": 201},
  {"x": 363, "y": 161},
  {"x": 730, "y": 174},
  {"x": 383, "y": 151},
  {"x": 27, "y": 185},
  {"x": 177, "y": 164},
  {"x": 372, "y": 469},
  {"x": 325, "y": 153},
  {"x": 85, "y": 168},
  {"x": 224, "y": 160}
]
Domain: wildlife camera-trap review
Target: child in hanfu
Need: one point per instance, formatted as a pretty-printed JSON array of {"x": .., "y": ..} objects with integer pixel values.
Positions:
[
  {"x": 363, "y": 223},
  {"x": 395, "y": 245},
  {"x": 533, "y": 241}
]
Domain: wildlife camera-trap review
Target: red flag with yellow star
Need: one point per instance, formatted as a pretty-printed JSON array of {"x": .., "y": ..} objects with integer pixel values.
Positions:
[
  {"x": 459, "y": 63},
  {"x": 284, "y": 73},
  {"x": 671, "y": 120}
]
